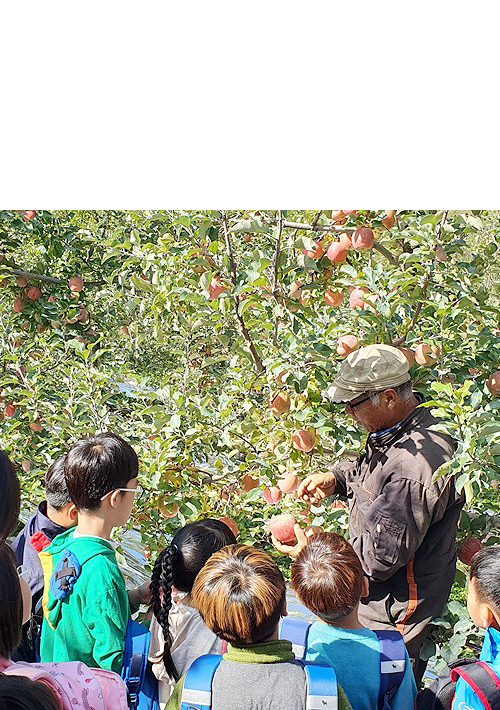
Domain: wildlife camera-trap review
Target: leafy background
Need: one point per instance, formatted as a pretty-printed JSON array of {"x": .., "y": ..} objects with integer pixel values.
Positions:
[{"x": 143, "y": 350}]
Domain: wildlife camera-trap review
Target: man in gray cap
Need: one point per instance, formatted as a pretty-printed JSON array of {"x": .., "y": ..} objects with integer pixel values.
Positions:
[{"x": 402, "y": 523}]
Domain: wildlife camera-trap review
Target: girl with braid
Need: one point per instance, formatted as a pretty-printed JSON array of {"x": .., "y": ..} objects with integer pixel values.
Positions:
[{"x": 178, "y": 633}]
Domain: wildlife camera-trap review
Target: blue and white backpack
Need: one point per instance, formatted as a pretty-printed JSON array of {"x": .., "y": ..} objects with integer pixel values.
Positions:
[
  {"x": 197, "y": 692},
  {"x": 392, "y": 656},
  {"x": 141, "y": 684}
]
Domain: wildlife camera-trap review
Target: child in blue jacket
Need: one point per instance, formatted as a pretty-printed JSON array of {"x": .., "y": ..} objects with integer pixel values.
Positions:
[
  {"x": 483, "y": 603},
  {"x": 328, "y": 579}
]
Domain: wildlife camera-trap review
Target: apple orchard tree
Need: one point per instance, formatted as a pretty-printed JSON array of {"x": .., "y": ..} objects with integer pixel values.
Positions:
[{"x": 206, "y": 338}]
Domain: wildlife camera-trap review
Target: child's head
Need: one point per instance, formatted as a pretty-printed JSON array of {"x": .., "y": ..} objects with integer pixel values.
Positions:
[
  {"x": 95, "y": 469},
  {"x": 10, "y": 495},
  {"x": 483, "y": 601},
  {"x": 60, "y": 507},
  {"x": 15, "y": 603},
  {"x": 21, "y": 693},
  {"x": 177, "y": 566},
  {"x": 328, "y": 578},
  {"x": 240, "y": 594}
]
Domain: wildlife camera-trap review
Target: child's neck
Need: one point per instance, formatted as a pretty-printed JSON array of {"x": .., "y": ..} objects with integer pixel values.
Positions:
[
  {"x": 94, "y": 525},
  {"x": 351, "y": 621},
  {"x": 57, "y": 517}
]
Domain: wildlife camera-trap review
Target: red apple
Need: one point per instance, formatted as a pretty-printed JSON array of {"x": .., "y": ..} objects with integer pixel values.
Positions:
[
  {"x": 281, "y": 526},
  {"x": 34, "y": 293},
  {"x": 347, "y": 344},
  {"x": 362, "y": 238},
  {"x": 296, "y": 291},
  {"x": 288, "y": 483},
  {"x": 36, "y": 426},
  {"x": 493, "y": 383},
  {"x": 336, "y": 253},
  {"x": 22, "y": 281},
  {"x": 441, "y": 255},
  {"x": 216, "y": 287},
  {"x": 75, "y": 284},
  {"x": 338, "y": 217},
  {"x": 29, "y": 215},
  {"x": 18, "y": 305},
  {"x": 279, "y": 403},
  {"x": 468, "y": 548},
  {"x": 83, "y": 316},
  {"x": 339, "y": 505},
  {"x": 231, "y": 524},
  {"x": 423, "y": 355},
  {"x": 390, "y": 220},
  {"x": 315, "y": 253},
  {"x": 10, "y": 410},
  {"x": 409, "y": 355},
  {"x": 168, "y": 510},
  {"x": 313, "y": 530},
  {"x": 272, "y": 494},
  {"x": 304, "y": 440},
  {"x": 333, "y": 298},
  {"x": 357, "y": 296},
  {"x": 345, "y": 241}
]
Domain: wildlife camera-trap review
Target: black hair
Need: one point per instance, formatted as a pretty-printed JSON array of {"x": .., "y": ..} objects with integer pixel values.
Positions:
[
  {"x": 22, "y": 693},
  {"x": 98, "y": 465},
  {"x": 10, "y": 496},
  {"x": 178, "y": 565},
  {"x": 485, "y": 569},
  {"x": 11, "y": 603},
  {"x": 56, "y": 490}
]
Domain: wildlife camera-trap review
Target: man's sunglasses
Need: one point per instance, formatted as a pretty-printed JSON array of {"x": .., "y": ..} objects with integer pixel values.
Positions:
[{"x": 352, "y": 405}]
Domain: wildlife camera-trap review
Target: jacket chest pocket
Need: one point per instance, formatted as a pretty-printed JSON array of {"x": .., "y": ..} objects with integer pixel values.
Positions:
[
  {"x": 387, "y": 537},
  {"x": 360, "y": 504}
]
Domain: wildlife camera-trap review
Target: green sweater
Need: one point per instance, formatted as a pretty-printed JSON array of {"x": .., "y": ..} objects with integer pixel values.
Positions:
[
  {"x": 89, "y": 623},
  {"x": 270, "y": 652}
]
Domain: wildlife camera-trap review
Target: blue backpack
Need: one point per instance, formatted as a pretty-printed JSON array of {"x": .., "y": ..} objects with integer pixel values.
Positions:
[
  {"x": 392, "y": 656},
  {"x": 141, "y": 684},
  {"x": 197, "y": 691}
]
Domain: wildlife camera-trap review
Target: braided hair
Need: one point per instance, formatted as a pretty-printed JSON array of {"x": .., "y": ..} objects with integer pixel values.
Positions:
[{"x": 178, "y": 565}]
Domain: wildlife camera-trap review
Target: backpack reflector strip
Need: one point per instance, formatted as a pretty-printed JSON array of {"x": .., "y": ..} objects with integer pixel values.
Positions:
[
  {"x": 392, "y": 666},
  {"x": 322, "y": 691},
  {"x": 197, "y": 690}
]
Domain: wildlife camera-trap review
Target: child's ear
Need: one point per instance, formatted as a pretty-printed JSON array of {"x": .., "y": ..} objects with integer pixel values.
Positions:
[
  {"x": 72, "y": 512},
  {"x": 489, "y": 617},
  {"x": 365, "y": 588},
  {"x": 285, "y": 610},
  {"x": 114, "y": 498}
]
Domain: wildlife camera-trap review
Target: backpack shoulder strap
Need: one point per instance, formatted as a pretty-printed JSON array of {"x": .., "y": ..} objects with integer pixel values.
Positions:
[
  {"x": 135, "y": 659},
  {"x": 197, "y": 690},
  {"x": 392, "y": 666},
  {"x": 483, "y": 681},
  {"x": 296, "y": 631},
  {"x": 322, "y": 688}
]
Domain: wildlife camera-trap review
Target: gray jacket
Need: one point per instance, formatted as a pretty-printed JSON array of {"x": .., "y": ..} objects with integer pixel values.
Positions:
[{"x": 403, "y": 525}]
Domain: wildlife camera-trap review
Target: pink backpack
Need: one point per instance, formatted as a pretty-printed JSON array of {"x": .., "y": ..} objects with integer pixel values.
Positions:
[{"x": 76, "y": 685}]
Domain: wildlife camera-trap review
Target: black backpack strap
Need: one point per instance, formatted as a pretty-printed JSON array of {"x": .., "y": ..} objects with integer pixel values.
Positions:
[{"x": 483, "y": 681}]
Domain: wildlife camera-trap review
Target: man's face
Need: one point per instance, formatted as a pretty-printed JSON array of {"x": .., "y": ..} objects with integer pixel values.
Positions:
[{"x": 366, "y": 414}]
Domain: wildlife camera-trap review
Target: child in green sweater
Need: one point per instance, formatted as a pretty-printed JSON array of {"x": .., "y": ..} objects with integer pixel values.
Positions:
[
  {"x": 85, "y": 603},
  {"x": 240, "y": 595}
]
